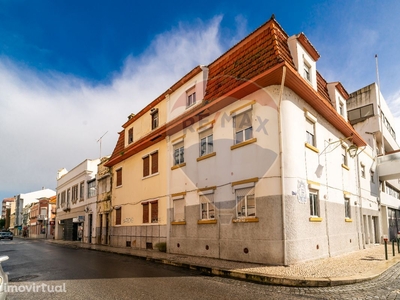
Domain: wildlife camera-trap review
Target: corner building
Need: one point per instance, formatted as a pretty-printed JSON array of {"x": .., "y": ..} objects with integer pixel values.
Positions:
[{"x": 256, "y": 160}]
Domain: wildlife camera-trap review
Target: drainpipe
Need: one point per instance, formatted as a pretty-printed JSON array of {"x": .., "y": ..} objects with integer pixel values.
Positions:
[
  {"x": 282, "y": 165},
  {"x": 357, "y": 169}
]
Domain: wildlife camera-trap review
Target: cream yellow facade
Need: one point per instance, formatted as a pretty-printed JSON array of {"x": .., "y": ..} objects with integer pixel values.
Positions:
[{"x": 139, "y": 201}]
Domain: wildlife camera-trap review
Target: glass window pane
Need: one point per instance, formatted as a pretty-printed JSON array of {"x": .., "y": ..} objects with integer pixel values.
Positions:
[
  {"x": 210, "y": 144},
  {"x": 203, "y": 147},
  {"x": 248, "y": 133},
  {"x": 239, "y": 137},
  {"x": 251, "y": 205}
]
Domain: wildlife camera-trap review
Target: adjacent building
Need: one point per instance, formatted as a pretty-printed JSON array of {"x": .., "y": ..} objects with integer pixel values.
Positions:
[
  {"x": 370, "y": 115},
  {"x": 104, "y": 207},
  {"x": 22, "y": 206},
  {"x": 6, "y": 211},
  {"x": 76, "y": 202}
]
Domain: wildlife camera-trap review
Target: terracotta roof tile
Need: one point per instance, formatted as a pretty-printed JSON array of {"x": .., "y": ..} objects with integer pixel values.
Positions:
[
  {"x": 261, "y": 50},
  {"x": 322, "y": 87},
  {"x": 119, "y": 147}
]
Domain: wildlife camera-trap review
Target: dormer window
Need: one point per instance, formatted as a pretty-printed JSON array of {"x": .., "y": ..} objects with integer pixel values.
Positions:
[
  {"x": 154, "y": 118},
  {"x": 130, "y": 136},
  {"x": 307, "y": 71},
  {"x": 190, "y": 97},
  {"x": 340, "y": 108}
]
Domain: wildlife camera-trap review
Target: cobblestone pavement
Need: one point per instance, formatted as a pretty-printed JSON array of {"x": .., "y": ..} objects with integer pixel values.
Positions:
[
  {"x": 385, "y": 286},
  {"x": 380, "y": 278}
]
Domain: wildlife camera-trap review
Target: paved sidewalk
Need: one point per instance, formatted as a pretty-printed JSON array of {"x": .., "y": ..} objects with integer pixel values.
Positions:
[{"x": 345, "y": 269}]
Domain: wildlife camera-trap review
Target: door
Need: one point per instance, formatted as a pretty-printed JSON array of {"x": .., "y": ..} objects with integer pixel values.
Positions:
[
  {"x": 106, "y": 233},
  {"x": 90, "y": 228},
  {"x": 100, "y": 238}
]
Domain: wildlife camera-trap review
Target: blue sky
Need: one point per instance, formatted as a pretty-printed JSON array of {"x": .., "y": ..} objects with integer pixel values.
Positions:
[{"x": 71, "y": 71}]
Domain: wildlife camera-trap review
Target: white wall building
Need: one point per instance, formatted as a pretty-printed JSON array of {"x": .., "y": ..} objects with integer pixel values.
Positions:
[
  {"x": 22, "y": 200},
  {"x": 76, "y": 202},
  {"x": 371, "y": 117}
]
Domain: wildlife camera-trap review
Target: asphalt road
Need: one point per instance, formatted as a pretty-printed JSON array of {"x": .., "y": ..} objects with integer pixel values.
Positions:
[{"x": 86, "y": 274}]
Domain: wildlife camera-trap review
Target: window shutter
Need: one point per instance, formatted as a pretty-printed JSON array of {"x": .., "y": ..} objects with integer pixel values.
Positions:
[
  {"x": 119, "y": 177},
  {"x": 118, "y": 216},
  {"x": 145, "y": 212},
  {"x": 310, "y": 126},
  {"x": 205, "y": 133},
  {"x": 154, "y": 212},
  {"x": 179, "y": 209},
  {"x": 243, "y": 120},
  {"x": 146, "y": 166},
  {"x": 154, "y": 163}
]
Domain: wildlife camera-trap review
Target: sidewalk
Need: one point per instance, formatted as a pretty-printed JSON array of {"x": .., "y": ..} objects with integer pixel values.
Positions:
[{"x": 345, "y": 269}]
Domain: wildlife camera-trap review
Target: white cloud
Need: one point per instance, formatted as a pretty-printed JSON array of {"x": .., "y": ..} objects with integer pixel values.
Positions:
[{"x": 51, "y": 120}]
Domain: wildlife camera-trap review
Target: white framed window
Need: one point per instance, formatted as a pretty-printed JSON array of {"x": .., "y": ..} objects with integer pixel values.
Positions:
[
  {"x": 243, "y": 126},
  {"x": 150, "y": 164},
  {"x": 245, "y": 202},
  {"x": 347, "y": 208},
  {"x": 362, "y": 170},
  {"x": 179, "y": 209},
  {"x": 130, "y": 135},
  {"x": 154, "y": 118},
  {"x": 206, "y": 142},
  {"x": 207, "y": 207},
  {"x": 341, "y": 107},
  {"x": 63, "y": 198},
  {"x": 344, "y": 155},
  {"x": 372, "y": 176},
  {"x": 314, "y": 203},
  {"x": 75, "y": 193},
  {"x": 310, "y": 132},
  {"x": 190, "y": 97},
  {"x": 307, "y": 71},
  {"x": 179, "y": 153},
  {"x": 91, "y": 188},
  {"x": 81, "y": 191}
]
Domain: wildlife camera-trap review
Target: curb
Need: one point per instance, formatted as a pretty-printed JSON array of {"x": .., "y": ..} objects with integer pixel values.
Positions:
[{"x": 238, "y": 275}]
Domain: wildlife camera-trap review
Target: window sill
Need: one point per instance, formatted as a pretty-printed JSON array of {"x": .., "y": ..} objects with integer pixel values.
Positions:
[
  {"x": 311, "y": 147},
  {"x": 117, "y": 187},
  {"x": 207, "y": 221},
  {"x": 348, "y": 220},
  {"x": 250, "y": 141},
  {"x": 345, "y": 167},
  {"x": 245, "y": 220},
  {"x": 151, "y": 175},
  {"x": 206, "y": 156},
  {"x": 178, "y": 223},
  {"x": 178, "y": 166},
  {"x": 315, "y": 219}
]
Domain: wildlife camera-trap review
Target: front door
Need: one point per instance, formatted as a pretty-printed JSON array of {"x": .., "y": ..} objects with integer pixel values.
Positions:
[
  {"x": 90, "y": 228},
  {"x": 106, "y": 240},
  {"x": 100, "y": 229}
]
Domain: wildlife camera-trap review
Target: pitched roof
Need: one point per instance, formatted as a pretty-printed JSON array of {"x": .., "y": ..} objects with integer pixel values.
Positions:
[
  {"x": 254, "y": 62},
  {"x": 258, "y": 52},
  {"x": 322, "y": 87},
  {"x": 119, "y": 147}
]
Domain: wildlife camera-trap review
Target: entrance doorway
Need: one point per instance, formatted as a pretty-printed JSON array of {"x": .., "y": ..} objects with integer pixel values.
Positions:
[
  {"x": 106, "y": 233},
  {"x": 90, "y": 228},
  {"x": 100, "y": 238}
]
